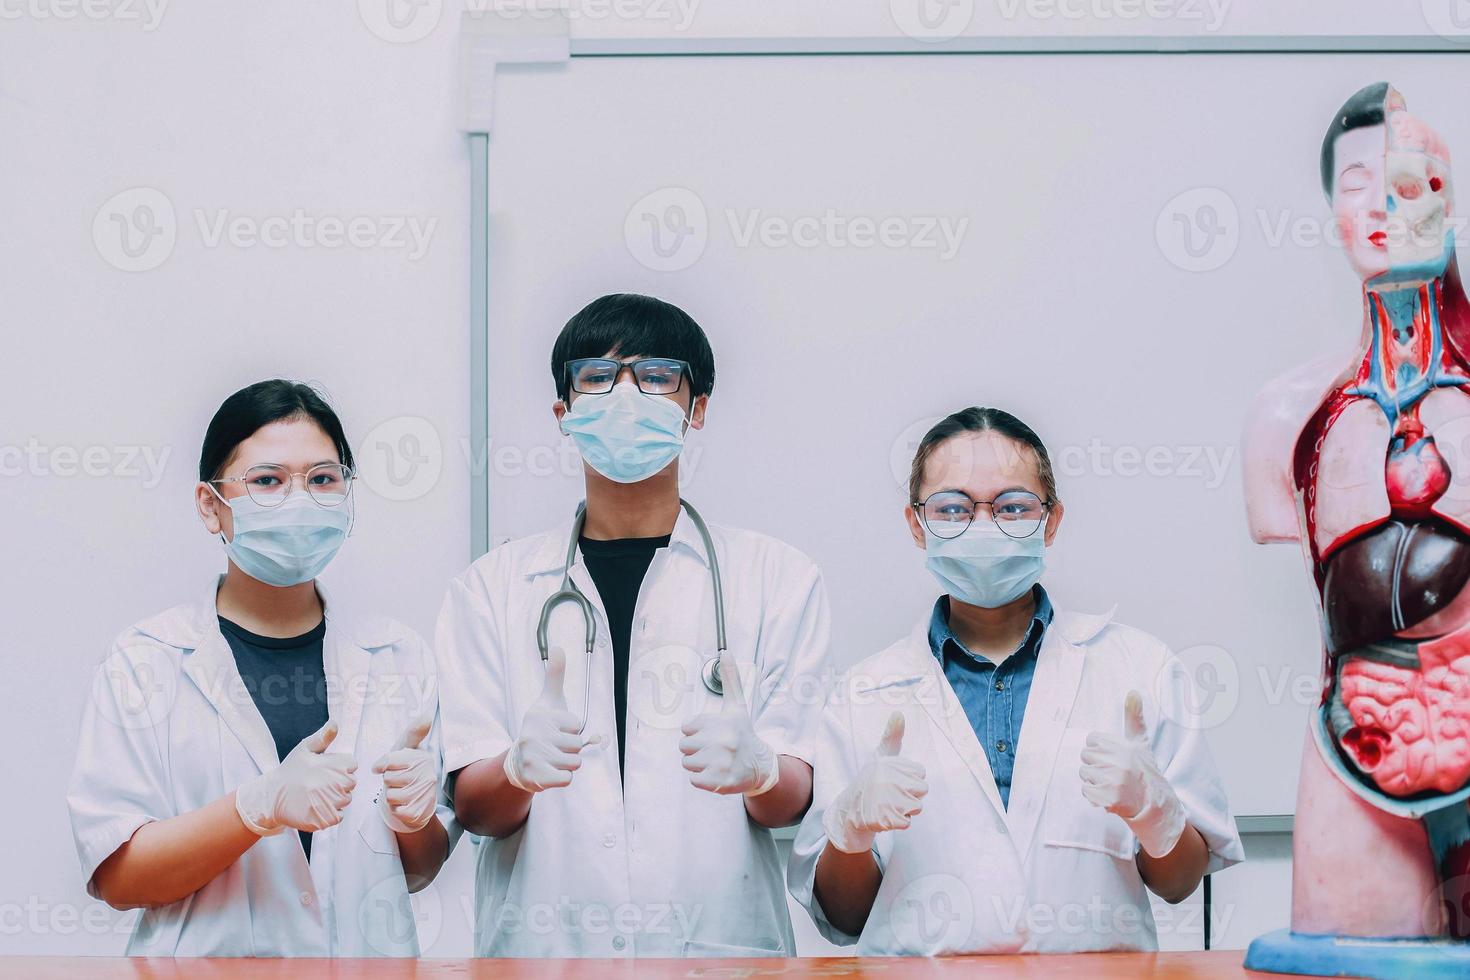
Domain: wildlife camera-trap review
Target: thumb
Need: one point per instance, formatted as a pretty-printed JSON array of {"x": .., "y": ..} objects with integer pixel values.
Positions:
[
  {"x": 1133, "y": 727},
  {"x": 891, "y": 743},
  {"x": 318, "y": 740},
  {"x": 414, "y": 734},
  {"x": 732, "y": 686},
  {"x": 554, "y": 691}
]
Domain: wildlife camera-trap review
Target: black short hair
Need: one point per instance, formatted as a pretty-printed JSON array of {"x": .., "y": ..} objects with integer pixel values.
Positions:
[
  {"x": 1365, "y": 108},
  {"x": 977, "y": 419},
  {"x": 633, "y": 325},
  {"x": 251, "y": 409}
]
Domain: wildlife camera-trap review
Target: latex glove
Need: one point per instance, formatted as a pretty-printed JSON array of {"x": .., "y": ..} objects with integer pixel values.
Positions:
[
  {"x": 410, "y": 781},
  {"x": 548, "y": 749},
  {"x": 1121, "y": 776},
  {"x": 888, "y": 791},
  {"x": 307, "y": 791},
  {"x": 722, "y": 752}
]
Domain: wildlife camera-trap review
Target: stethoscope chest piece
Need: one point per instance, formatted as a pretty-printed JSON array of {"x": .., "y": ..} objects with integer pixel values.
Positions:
[{"x": 711, "y": 674}]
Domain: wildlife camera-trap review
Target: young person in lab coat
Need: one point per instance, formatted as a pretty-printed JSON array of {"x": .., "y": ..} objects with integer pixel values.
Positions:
[
  {"x": 627, "y": 805},
  {"x": 258, "y": 769},
  {"x": 1010, "y": 776}
]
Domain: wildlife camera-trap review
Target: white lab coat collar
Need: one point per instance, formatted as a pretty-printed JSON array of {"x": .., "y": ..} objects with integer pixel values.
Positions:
[
  {"x": 551, "y": 552},
  {"x": 185, "y": 627},
  {"x": 1049, "y": 705},
  {"x": 210, "y": 664}
]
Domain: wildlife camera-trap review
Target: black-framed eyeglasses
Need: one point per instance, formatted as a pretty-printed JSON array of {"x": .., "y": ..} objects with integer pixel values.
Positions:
[
  {"x": 654, "y": 375},
  {"x": 948, "y": 513},
  {"x": 269, "y": 484}
]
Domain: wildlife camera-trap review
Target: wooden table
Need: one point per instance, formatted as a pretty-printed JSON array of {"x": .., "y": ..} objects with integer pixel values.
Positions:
[{"x": 1089, "y": 966}]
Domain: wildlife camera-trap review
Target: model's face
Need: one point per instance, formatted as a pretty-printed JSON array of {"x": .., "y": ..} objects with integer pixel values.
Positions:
[
  {"x": 296, "y": 444},
  {"x": 985, "y": 466},
  {"x": 1392, "y": 200},
  {"x": 692, "y": 408}
]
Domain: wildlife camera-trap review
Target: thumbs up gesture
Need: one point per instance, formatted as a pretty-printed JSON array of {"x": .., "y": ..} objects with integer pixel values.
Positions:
[
  {"x": 1121, "y": 776},
  {"x": 887, "y": 793},
  {"x": 410, "y": 780},
  {"x": 549, "y": 748},
  {"x": 307, "y": 791},
  {"x": 722, "y": 752}
]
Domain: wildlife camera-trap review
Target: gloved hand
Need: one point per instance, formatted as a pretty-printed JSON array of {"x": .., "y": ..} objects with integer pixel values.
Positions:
[
  {"x": 548, "y": 749},
  {"x": 721, "y": 750},
  {"x": 307, "y": 791},
  {"x": 888, "y": 791},
  {"x": 1121, "y": 776},
  {"x": 410, "y": 781}
]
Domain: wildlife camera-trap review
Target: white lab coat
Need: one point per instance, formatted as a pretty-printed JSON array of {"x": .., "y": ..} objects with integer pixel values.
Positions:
[
  {"x": 658, "y": 868},
  {"x": 170, "y": 727},
  {"x": 1054, "y": 873}
]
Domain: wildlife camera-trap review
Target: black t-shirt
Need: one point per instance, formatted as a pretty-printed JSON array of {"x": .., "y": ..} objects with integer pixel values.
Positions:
[
  {"x": 617, "y": 568},
  {"x": 287, "y": 680}
]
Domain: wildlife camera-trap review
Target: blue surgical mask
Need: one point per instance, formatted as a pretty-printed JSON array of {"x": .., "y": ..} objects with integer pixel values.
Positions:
[
  {"x": 287, "y": 544},
  {"x": 984, "y": 566},
  {"x": 625, "y": 435}
]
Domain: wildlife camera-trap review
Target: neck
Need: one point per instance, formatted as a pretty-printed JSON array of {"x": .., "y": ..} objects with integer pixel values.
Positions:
[
  {"x": 1404, "y": 340},
  {"x": 992, "y": 633},
  {"x": 266, "y": 609},
  {"x": 647, "y": 509}
]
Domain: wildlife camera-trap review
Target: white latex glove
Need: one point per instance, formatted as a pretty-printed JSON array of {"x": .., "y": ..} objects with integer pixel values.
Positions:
[
  {"x": 887, "y": 793},
  {"x": 307, "y": 791},
  {"x": 548, "y": 749},
  {"x": 1121, "y": 776},
  {"x": 410, "y": 781},
  {"x": 721, "y": 750}
]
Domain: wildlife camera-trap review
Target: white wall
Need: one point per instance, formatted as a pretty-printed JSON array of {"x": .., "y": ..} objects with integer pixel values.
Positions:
[{"x": 254, "y": 112}]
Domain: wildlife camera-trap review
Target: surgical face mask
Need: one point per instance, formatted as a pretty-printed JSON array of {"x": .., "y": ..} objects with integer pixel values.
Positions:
[
  {"x": 984, "y": 566},
  {"x": 625, "y": 435},
  {"x": 289, "y": 543}
]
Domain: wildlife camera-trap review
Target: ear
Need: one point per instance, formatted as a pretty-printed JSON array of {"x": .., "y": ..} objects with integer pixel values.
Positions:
[
  {"x": 916, "y": 527},
  {"x": 696, "y": 414},
  {"x": 209, "y": 507},
  {"x": 558, "y": 408},
  {"x": 1053, "y": 521}
]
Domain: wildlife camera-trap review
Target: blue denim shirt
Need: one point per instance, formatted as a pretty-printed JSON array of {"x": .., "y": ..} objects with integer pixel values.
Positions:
[{"x": 994, "y": 698}]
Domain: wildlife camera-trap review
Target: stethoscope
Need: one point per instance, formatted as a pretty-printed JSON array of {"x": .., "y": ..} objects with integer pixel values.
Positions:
[{"x": 569, "y": 592}]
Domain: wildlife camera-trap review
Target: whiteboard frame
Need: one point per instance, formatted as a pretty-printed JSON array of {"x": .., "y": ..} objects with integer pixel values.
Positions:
[{"x": 480, "y": 335}]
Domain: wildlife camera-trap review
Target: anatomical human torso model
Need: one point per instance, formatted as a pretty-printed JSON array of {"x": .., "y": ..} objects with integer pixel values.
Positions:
[{"x": 1362, "y": 459}]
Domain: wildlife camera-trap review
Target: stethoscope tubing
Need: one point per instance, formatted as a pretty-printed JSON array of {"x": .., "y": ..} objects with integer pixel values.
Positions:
[{"x": 710, "y": 672}]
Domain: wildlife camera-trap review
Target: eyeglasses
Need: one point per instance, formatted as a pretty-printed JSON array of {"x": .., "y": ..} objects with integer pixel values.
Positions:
[
  {"x": 268, "y": 484},
  {"x": 947, "y": 513},
  {"x": 655, "y": 375}
]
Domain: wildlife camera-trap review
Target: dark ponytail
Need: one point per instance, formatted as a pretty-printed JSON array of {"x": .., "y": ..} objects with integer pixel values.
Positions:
[
  {"x": 251, "y": 409},
  {"x": 982, "y": 420}
]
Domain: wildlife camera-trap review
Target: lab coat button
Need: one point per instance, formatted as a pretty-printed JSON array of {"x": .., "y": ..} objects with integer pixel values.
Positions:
[
  {"x": 609, "y": 840},
  {"x": 306, "y": 899},
  {"x": 619, "y": 942}
]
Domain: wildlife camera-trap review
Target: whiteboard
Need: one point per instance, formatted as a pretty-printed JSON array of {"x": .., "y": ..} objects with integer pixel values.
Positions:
[{"x": 1069, "y": 297}]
